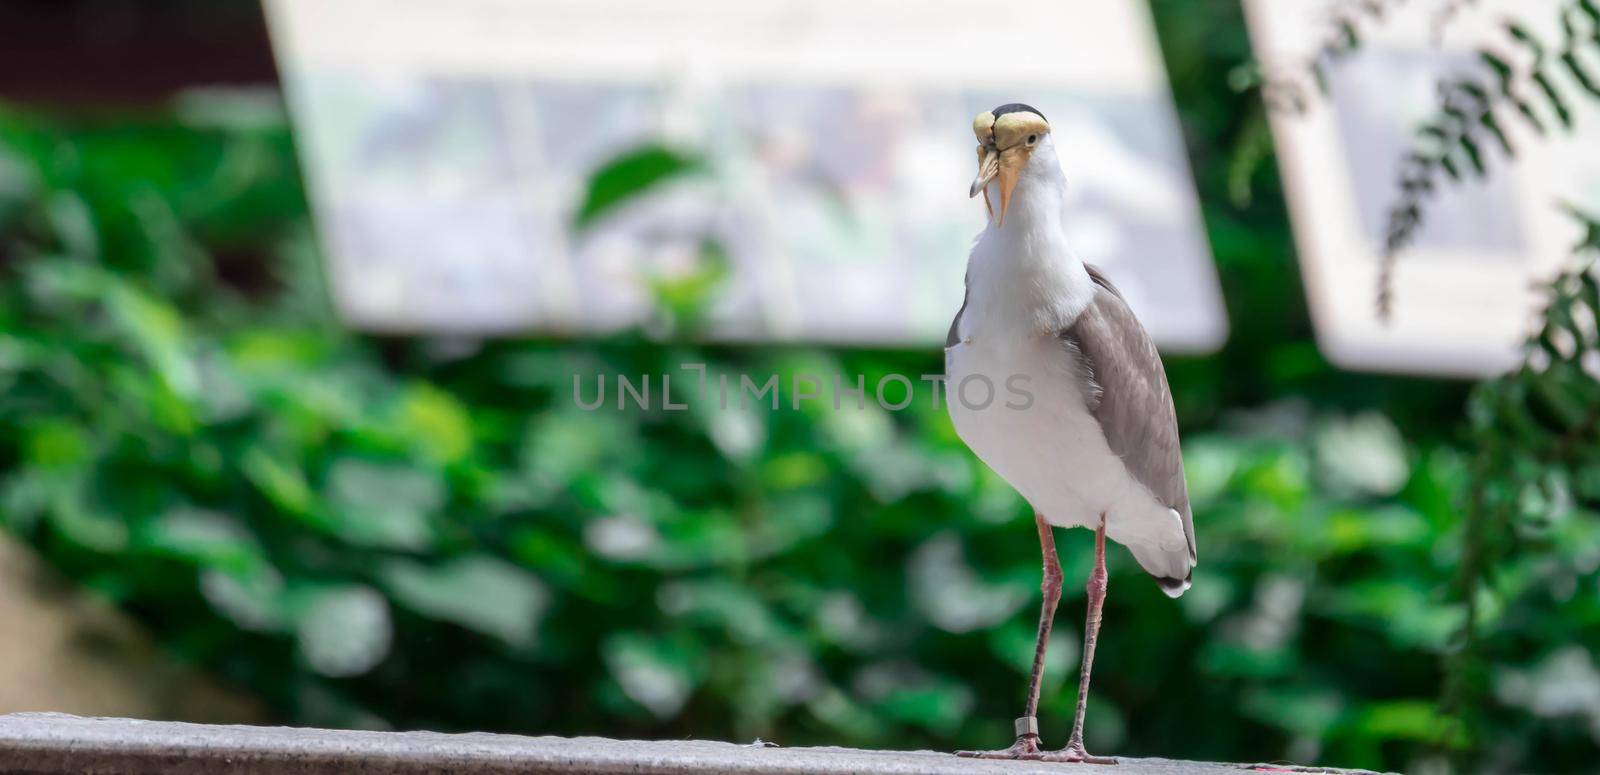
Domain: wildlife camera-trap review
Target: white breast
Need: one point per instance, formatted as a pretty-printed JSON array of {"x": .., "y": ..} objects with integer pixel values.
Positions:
[{"x": 1052, "y": 449}]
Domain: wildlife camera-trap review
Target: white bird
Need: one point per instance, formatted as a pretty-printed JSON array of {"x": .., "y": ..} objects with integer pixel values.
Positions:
[{"x": 1086, "y": 430}]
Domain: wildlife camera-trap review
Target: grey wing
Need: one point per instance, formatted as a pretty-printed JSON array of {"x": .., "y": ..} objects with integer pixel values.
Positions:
[
  {"x": 954, "y": 337},
  {"x": 1134, "y": 405}
]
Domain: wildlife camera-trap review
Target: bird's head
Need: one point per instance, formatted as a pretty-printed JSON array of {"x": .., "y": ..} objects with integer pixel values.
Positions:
[{"x": 1007, "y": 139}]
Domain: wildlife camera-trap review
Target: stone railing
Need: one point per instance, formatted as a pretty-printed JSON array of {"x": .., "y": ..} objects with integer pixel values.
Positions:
[{"x": 52, "y": 743}]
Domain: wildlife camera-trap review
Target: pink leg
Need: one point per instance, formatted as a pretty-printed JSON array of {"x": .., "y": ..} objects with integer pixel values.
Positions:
[
  {"x": 1027, "y": 727},
  {"x": 1097, "y": 596}
]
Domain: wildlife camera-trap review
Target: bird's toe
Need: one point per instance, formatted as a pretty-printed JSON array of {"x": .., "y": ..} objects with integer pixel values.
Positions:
[
  {"x": 1026, "y": 747},
  {"x": 1076, "y": 756}
]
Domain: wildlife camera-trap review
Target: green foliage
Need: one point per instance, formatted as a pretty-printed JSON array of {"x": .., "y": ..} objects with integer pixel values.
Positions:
[
  {"x": 1528, "y": 540},
  {"x": 1531, "y": 540}
]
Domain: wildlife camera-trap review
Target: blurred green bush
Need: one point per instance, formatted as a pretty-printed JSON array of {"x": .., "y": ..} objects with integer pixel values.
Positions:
[{"x": 410, "y": 533}]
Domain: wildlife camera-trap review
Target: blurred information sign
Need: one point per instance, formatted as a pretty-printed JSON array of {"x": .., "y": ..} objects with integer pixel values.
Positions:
[
  {"x": 449, "y": 144},
  {"x": 1465, "y": 291}
]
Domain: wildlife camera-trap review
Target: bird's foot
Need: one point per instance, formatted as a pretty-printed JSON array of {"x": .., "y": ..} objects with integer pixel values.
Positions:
[
  {"x": 1074, "y": 753},
  {"x": 1026, "y": 747}
]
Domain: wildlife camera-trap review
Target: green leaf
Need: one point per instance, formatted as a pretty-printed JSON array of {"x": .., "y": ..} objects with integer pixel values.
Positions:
[
  {"x": 657, "y": 673},
  {"x": 686, "y": 295},
  {"x": 1580, "y": 74},
  {"x": 951, "y": 594},
  {"x": 254, "y": 599},
  {"x": 56, "y": 444},
  {"x": 915, "y": 697},
  {"x": 87, "y": 526},
  {"x": 435, "y": 423},
  {"x": 1417, "y": 720},
  {"x": 203, "y": 537},
  {"x": 729, "y": 608},
  {"x": 343, "y": 631},
  {"x": 1521, "y": 34},
  {"x": 1492, "y": 123},
  {"x": 1474, "y": 154},
  {"x": 283, "y": 483},
  {"x": 73, "y": 222},
  {"x": 384, "y": 505},
  {"x": 1557, "y": 104},
  {"x": 479, "y": 592},
  {"x": 1591, "y": 9},
  {"x": 628, "y": 177},
  {"x": 1309, "y": 711},
  {"x": 1449, "y": 167},
  {"x": 1251, "y": 151},
  {"x": 1350, "y": 36},
  {"x": 1527, "y": 113},
  {"x": 1501, "y": 68}
]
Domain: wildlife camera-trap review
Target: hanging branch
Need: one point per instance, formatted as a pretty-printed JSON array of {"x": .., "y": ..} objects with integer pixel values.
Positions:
[
  {"x": 1475, "y": 107},
  {"x": 1290, "y": 90},
  {"x": 1447, "y": 13},
  {"x": 1474, "y": 111}
]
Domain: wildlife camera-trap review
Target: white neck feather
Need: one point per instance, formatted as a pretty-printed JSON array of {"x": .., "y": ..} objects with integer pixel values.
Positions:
[{"x": 1022, "y": 278}]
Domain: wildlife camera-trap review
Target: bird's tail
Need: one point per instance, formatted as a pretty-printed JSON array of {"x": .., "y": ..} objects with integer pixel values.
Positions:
[{"x": 1172, "y": 570}]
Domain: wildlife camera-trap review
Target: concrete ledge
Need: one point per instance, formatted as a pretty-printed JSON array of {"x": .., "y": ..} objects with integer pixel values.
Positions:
[{"x": 52, "y": 743}]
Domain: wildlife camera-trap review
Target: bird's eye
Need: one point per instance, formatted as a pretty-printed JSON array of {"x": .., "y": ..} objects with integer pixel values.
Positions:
[{"x": 1033, "y": 139}]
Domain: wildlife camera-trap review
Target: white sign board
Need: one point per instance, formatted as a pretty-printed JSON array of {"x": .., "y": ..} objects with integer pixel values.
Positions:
[
  {"x": 448, "y": 145},
  {"x": 1465, "y": 292}
]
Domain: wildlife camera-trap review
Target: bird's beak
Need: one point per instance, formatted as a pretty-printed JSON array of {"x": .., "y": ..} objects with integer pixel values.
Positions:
[
  {"x": 993, "y": 164},
  {"x": 988, "y": 167}
]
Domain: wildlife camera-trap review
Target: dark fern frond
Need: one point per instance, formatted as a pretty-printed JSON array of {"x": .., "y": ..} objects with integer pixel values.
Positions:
[
  {"x": 1447, "y": 13},
  {"x": 1291, "y": 90},
  {"x": 1476, "y": 106},
  {"x": 1473, "y": 107},
  {"x": 1531, "y": 427}
]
